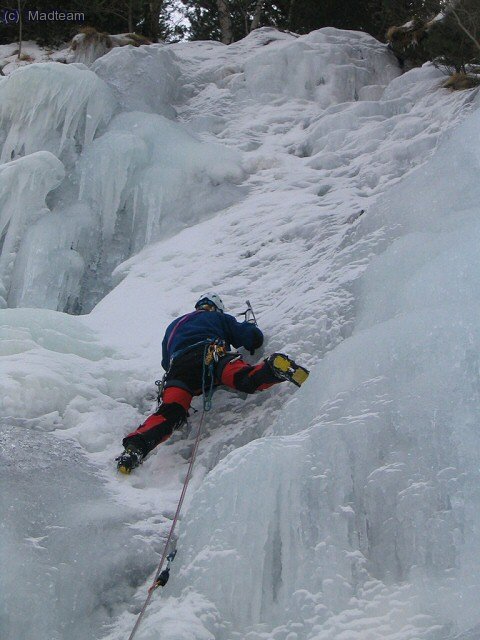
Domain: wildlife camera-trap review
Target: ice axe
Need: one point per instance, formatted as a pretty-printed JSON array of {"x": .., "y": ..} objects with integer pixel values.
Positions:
[{"x": 249, "y": 314}]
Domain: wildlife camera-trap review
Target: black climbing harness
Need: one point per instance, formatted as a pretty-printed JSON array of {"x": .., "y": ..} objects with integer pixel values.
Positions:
[{"x": 214, "y": 349}]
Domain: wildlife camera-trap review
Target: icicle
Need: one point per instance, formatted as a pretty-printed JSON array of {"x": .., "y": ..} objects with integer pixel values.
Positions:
[
  {"x": 51, "y": 106},
  {"x": 24, "y": 184}
]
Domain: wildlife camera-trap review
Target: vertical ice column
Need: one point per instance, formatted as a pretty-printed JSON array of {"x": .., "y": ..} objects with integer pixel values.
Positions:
[
  {"x": 182, "y": 180},
  {"x": 24, "y": 184},
  {"x": 108, "y": 174},
  {"x": 51, "y": 106},
  {"x": 54, "y": 257}
]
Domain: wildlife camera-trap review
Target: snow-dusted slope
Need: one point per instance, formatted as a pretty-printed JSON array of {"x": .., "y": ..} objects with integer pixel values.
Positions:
[{"x": 347, "y": 511}]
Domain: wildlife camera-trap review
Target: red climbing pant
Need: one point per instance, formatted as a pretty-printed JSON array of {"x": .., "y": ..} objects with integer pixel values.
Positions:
[{"x": 184, "y": 380}]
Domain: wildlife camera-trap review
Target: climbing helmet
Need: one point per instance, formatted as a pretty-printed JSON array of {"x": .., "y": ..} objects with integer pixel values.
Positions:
[{"x": 212, "y": 299}]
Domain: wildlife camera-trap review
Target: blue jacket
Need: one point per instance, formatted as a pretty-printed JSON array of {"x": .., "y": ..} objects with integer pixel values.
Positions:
[{"x": 201, "y": 325}]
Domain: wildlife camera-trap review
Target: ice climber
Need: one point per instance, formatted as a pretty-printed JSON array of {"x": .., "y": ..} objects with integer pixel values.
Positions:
[{"x": 196, "y": 355}]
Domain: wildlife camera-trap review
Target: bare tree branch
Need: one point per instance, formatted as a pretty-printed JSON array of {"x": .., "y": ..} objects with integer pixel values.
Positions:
[
  {"x": 225, "y": 22},
  {"x": 464, "y": 28},
  {"x": 20, "y": 28},
  {"x": 257, "y": 15},
  {"x": 291, "y": 11}
]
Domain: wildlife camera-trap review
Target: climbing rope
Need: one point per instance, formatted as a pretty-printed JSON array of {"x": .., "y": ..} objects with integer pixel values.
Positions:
[
  {"x": 161, "y": 576},
  {"x": 211, "y": 354},
  {"x": 210, "y": 357}
]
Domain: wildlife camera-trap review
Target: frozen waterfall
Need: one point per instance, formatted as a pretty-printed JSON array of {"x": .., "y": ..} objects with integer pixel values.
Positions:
[
  {"x": 341, "y": 196},
  {"x": 141, "y": 178}
]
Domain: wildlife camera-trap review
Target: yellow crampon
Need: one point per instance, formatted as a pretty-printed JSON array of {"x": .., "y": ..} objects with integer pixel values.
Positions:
[
  {"x": 129, "y": 459},
  {"x": 124, "y": 469},
  {"x": 299, "y": 376},
  {"x": 290, "y": 369}
]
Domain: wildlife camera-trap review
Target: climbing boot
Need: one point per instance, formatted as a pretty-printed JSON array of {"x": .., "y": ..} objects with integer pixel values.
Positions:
[
  {"x": 129, "y": 459},
  {"x": 286, "y": 369}
]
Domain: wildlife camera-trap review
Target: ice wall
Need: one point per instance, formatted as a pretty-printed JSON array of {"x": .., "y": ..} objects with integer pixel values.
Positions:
[
  {"x": 49, "y": 113},
  {"x": 358, "y": 516},
  {"x": 163, "y": 178},
  {"x": 135, "y": 194},
  {"x": 144, "y": 177},
  {"x": 71, "y": 554},
  {"x": 355, "y": 518},
  {"x": 328, "y": 70},
  {"x": 154, "y": 83}
]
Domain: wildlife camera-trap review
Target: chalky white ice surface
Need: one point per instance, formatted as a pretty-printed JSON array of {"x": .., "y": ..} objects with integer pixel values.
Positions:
[{"x": 341, "y": 198}]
